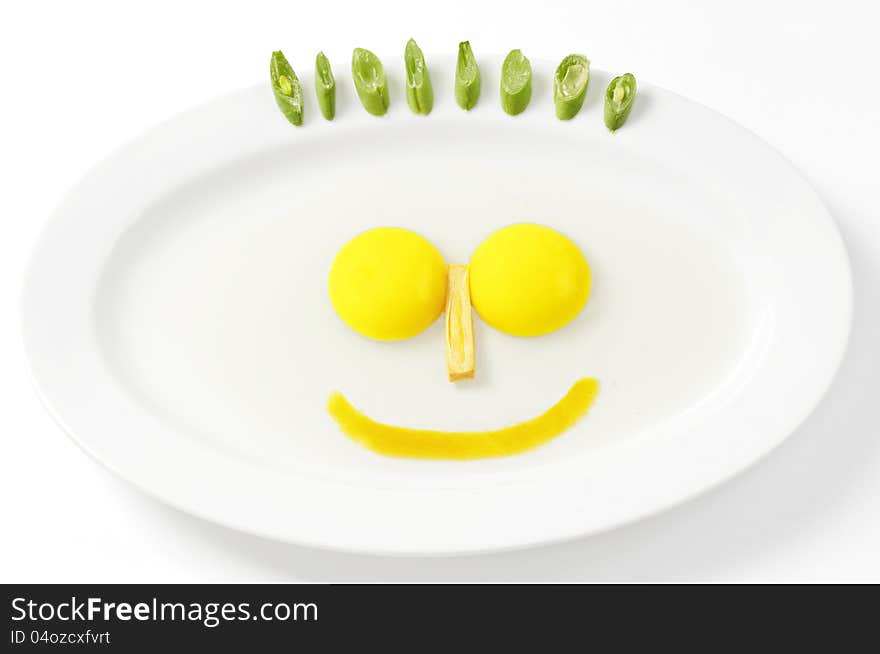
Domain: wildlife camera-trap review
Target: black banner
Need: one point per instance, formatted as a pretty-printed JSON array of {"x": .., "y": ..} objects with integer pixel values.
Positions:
[{"x": 151, "y": 618}]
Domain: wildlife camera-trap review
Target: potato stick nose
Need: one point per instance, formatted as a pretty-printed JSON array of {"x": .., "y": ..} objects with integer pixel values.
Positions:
[{"x": 459, "y": 325}]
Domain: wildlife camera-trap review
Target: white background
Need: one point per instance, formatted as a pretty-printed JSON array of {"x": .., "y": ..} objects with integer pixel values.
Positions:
[{"x": 80, "y": 79}]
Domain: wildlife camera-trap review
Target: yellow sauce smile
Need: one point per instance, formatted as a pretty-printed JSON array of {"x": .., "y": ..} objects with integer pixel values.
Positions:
[{"x": 431, "y": 444}]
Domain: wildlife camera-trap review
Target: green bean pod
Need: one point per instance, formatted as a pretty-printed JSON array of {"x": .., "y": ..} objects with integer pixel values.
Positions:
[
  {"x": 286, "y": 87},
  {"x": 516, "y": 83},
  {"x": 619, "y": 98},
  {"x": 369, "y": 81},
  {"x": 570, "y": 85},
  {"x": 419, "y": 92},
  {"x": 467, "y": 77},
  {"x": 325, "y": 86}
]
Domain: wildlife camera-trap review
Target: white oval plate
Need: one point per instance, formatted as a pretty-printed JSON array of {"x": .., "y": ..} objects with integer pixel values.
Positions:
[{"x": 178, "y": 326}]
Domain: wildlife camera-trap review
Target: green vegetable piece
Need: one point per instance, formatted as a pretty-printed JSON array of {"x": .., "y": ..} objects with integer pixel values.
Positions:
[
  {"x": 419, "y": 92},
  {"x": 467, "y": 77},
  {"x": 325, "y": 86},
  {"x": 286, "y": 87},
  {"x": 570, "y": 85},
  {"x": 369, "y": 81},
  {"x": 619, "y": 98},
  {"x": 516, "y": 83}
]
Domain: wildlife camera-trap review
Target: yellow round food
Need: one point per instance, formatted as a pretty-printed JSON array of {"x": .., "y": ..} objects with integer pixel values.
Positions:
[
  {"x": 388, "y": 283},
  {"x": 528, "y": 280}
]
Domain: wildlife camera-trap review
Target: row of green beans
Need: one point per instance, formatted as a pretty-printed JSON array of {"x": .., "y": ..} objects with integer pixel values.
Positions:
[{"x": 569, "y": 85}]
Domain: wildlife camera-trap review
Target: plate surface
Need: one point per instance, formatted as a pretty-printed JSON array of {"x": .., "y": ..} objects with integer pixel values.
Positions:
[{"x": 177, "y": 322}]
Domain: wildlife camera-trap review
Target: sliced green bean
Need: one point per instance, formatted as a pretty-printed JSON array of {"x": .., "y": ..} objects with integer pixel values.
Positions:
[
  {"x": 619, "y": 98},
  {"x": 286, "y": 87},
  {"x": 467, "y": 77},
  {"x": 570, "y": 85},
  {"x": 369, "y": 81},
  {"x": 419, "y": 92},
  {"x": 516, "y": 83},
  {"x": 325, "y": 86}
]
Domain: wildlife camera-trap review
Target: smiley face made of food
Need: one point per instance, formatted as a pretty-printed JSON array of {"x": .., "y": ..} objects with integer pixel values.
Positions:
[{"x": 390, "y": 284}]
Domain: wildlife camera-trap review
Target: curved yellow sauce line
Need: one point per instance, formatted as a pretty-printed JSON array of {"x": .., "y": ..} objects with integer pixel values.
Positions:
[{"x": 431, "y": 444}]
